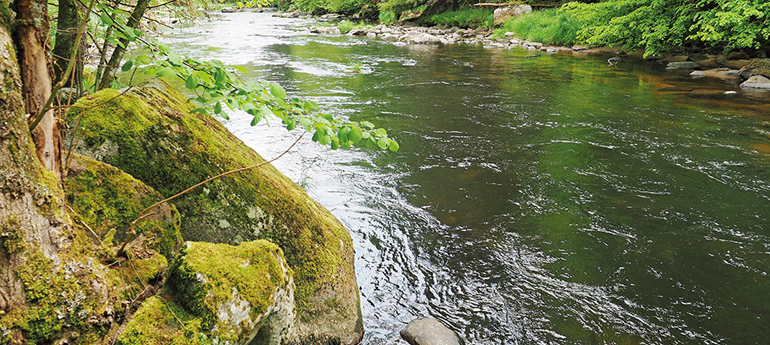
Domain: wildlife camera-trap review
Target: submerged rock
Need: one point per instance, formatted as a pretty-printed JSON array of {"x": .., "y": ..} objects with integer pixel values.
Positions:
[
  {"x": 429, "y": 331},
  {"x": 152, "y": 136}
]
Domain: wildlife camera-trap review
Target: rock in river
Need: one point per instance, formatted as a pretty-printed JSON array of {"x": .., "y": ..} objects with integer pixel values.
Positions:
[
  {"x": 429, "y": 331},
  {"x": 756, "y": 82}
]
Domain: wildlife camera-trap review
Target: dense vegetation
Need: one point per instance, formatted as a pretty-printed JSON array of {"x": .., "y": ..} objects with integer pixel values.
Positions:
[{"x": 654, "y": 26}]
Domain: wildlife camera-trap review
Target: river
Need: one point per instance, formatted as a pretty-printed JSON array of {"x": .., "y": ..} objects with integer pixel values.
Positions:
[{"x": 545, "y": 200}]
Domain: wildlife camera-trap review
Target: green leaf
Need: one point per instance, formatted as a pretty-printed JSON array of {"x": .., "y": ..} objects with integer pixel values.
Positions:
[
  {"x": 316, "y": 136},
  {"x": 381, "y": 132},
  {"x": 393, "y": 146},
  {"x": 291, "y": 125},
  {"x": 335, "y": 144},
  {"x": 192, "y": 82},
  {"x": 356, "y": 134},
  {"x": 265, "y": 111},
  {"x": 277, "y": 91},
  {"x": 239, "y": 68},
  {"x": 106, "y": 19},
  {"x": 175, "y": 59},
  {"x": 367, "y": 124},
  {"x": 342, "y": 136},
  {"x": 255, "y": 121},
  {"x": 383, "y": 143},
  {"x": 127, "y": 66},
  {"x": 218, "y": 108}
]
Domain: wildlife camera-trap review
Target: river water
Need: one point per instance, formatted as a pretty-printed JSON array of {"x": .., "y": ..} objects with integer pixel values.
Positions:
[{"x": 546, "y": 200}]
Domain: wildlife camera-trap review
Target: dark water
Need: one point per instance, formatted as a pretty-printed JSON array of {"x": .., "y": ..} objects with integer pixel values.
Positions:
[{"x": 547, "y": 200}]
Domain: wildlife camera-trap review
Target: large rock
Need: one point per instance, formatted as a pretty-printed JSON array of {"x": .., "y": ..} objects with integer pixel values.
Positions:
[
  {"x": 231, "y": 294},
  {"x": 502, "y": 14},
  {"x": 108, "y": 199},
  {"x": 429, "y": 331},
  {"x": 150, "y": 134},
  {"x": 756, "y": 82}
]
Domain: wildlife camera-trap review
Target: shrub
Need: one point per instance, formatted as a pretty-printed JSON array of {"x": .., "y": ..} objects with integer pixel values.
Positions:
[{"x": 551, "y": 26}]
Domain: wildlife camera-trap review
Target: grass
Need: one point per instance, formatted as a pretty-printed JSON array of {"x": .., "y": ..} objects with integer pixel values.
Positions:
[
  {"x": 550, "y": 26},
  {"x": 464, "y": 18},
  {"x": 346, "y": 26}
]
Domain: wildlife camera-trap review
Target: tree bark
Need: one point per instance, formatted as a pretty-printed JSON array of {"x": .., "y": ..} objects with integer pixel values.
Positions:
[
  {"x": 32, "y": 29},
  {"x": 117, "y": 54},
  {"x": 66, "y": 35}
]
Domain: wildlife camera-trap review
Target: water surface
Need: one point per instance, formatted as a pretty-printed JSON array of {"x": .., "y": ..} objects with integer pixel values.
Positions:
[{"x": 546, "y": 200}]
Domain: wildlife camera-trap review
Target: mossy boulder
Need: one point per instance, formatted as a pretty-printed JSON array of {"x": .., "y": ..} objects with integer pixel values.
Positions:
[
  {"x": 150, "y": 133},
  {"x": 229, "y": 294},
  {"x": 107, "y": 198}
]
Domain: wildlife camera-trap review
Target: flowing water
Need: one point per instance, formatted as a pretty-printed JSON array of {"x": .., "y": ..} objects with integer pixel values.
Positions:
[{"x": 546, "y": 200}]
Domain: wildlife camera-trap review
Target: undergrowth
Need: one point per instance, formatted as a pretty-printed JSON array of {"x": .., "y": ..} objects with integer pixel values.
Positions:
[
  {"x": 464, "y": 18},
  {"x": 550, "y": 26}
]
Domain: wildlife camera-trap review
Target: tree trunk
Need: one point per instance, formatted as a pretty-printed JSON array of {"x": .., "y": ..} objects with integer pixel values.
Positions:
[
  {"x": 117, "y": 54},
  {"x": 31, "y": 201},
  {"x": 66, "y": 35},
  {"x": 32, "y": 29}
]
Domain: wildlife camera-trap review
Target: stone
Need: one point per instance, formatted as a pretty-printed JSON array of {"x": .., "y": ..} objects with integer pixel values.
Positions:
[
  {"x": 357, "y": 32},
  {"x": 756, "y": 82},
  {"x": 579, "y": 48},
  {"x": 502, "y": 14},
  {"x": 738, "y": 56},
  {"x": 737, "y": 64},
  {"x": 325, "y": 30},
  {"x": 235, "y": 294},
  {"x": 709, "y": 63},
  {"x": 419, "y": 38},
  {"x": 678, "y": 58},
  {"x": 229, "y": 10},
  {"x": 429, "y": 331},
  {"x": 161, "y": 143},
  {"x": 698, "y": 74},
  {"x": 371, "y": 35},
  {"x": 682, "y": 65}
]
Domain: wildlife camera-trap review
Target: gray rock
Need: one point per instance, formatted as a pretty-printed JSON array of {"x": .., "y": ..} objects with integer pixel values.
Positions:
[
  {"x": 698, "y": 74},
  {"x": 757, "y": 82},
  {"x": 428, "y": 331},
  {"x": 229, "y": 10},
  {"x": 683, "y": 65},
  {"x": 502, "y": 14},
  {"x": 325, "y": 30},
  {"x": 371, "y": 35},
  {"x": 357, "y": 32},
  {"x": 420, "y": 38}
]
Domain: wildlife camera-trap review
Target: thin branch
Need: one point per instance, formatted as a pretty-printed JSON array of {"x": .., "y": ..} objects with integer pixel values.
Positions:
[
  {"x": 142, "y": 214},
  {"x": 160, "y": 5}
]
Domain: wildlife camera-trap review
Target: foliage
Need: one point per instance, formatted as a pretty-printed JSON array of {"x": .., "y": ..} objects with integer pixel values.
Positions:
[
  {"x": 551, "y": 26},
  {"x": 387, "y": 17},
  {"x": 346, "y": 26},
  {"x": 466, "y": 18},
  {"x": 658, "y": 25}
]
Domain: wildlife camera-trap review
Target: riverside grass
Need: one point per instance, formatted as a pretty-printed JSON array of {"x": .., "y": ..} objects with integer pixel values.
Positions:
[{"x": 550, "y": 26}]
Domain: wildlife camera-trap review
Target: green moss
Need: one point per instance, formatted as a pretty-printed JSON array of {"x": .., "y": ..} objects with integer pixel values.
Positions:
[
  {"x": 161, "y": 144},
  {"x": 57, "y": 299},
  {"x": 106, "y": 198},
  {"x": 159, "y": 323},
  {"x": 208, "y": 275}
]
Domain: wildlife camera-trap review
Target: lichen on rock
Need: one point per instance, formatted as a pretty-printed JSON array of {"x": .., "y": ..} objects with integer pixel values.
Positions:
[{"x": 162, "y": 144}]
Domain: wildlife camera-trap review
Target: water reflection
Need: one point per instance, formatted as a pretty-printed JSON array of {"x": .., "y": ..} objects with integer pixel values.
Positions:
[{"x": 547, "y": 200}]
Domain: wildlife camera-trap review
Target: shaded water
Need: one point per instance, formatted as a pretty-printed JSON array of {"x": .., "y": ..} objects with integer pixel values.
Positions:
[{"x": 548, "y": 200}]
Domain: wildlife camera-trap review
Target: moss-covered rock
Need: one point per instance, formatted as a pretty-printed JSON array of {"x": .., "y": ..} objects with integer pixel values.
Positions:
[
  {"x": 106, "y": 198},
  {"x": 223, "y": 293},
  {"x": 150, "y": 134}
]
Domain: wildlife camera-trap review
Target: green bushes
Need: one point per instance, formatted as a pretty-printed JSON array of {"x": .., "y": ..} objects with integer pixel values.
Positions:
[
  {"x": 551, "y": 26},
  {"x": 466, "y": 18},
  {"x": 659, "y": 25}
]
